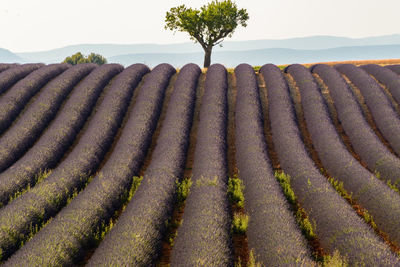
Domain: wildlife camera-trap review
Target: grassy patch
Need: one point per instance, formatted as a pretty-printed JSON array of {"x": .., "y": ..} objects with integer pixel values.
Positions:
[
  {"x": 235, "y": 191},
  {"x": 240, "y": 223},
  {"x": 301, "y": 216},
  {"x": 183, "y": 190}
]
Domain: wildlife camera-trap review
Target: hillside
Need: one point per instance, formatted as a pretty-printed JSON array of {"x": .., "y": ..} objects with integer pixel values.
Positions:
[
  {"x": 7, "y": 56},
  {"x": 259, "y": 57},
  {"x": 304, "y": 43}
]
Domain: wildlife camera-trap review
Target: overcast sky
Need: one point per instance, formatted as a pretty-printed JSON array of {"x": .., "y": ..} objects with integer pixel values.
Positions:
[{"x": 34, "y": 25}]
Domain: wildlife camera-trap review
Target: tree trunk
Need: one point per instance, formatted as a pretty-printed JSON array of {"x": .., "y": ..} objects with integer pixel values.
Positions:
[{"x": 207, "y": 57}]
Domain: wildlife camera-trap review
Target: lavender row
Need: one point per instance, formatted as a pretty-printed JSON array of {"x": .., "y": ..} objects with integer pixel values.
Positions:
[
  {"x": 153, "y": 202},
  {"x": 22, "y": 135},
  {"x": 50, "y": 195},
  {"x": 12, "y": 75},
  {"x": 272, "y": 232},
  {"x": 363, "y": 139},
  {"x": 394, "y": 68},
  {"x": 387, "y": 77},
  {"x": 336, "y": 224},
  {"x": 59, "y": 135},
  {"x": 76, "y": 224},
  {"x": 14, "y": 100},
  {"x": 5, "y": 66},
  {"x": 204, "y": 238},
  {"x": 367, "y": 190},
  {"x": 384, "y": 115}
]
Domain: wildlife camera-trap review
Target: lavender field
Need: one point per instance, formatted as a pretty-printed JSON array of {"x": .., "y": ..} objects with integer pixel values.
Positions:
[{"x": 113, "y": 166}]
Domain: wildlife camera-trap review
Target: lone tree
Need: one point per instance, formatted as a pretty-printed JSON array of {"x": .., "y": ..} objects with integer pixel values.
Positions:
[
  {"x": 209, "y": 25},
  {"x": 78, "y": 58}
]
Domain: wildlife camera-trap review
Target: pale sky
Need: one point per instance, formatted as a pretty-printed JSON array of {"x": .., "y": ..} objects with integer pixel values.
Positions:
[{"x": 35, "y": 25}]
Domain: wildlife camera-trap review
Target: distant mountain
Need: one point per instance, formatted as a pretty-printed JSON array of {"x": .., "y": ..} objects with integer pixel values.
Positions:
[
  {"x": 7, "y": 56},
  {"x": 263, "y": 56},
  {"x": 113, "y": 50}
]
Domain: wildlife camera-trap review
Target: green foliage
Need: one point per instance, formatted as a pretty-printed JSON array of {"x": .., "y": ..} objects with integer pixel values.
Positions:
[
  {"x": 38, "y": 178},
  {"x": 284, "y": 181},
  {"x": 343, "y": 193},
  {"x": 106, "y": 226},
  {"x": 209, "y": 25},
  {"x": 78, "y": 58},
  {"x": 252, "y": 260},
  {"x": 136, "y": 180},
  {"x": 334, "y": 260},
  {"x": 300, "y": 214},
  {"x": 235, "y": 191},
  {"x": 183, "y": 189},
  {"x": 240, "y": 223},
  {"x": 305, "y": 224}
]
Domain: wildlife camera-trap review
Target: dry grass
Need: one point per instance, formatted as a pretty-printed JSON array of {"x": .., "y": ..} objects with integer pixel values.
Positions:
[{"x": 359, "y": 62}]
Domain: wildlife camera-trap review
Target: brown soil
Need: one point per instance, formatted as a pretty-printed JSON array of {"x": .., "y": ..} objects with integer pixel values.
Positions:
[
  {"x": 386, "y": 90},
  {"x": 367, "y": 114},
  {"x": 334, "y": 116},
  {"x": 126, "y": 118},
  {"x": 179, "y": 209},
  {"x": 273, "y": 156},
  {"x": 88, "y": 251},
  {"x": 296, "y": 97},
  {"x": 240, "y": 245},
  {"x": 168, "y": 93},
  {"x": 306, "y": 136},
  {"x": 359, "y": 62}
]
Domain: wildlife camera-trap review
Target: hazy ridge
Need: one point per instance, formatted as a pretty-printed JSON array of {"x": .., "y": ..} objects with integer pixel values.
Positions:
[{"x": 256, "y": 52}]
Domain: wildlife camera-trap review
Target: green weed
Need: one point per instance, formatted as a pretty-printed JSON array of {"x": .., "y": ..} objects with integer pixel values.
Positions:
[
  {"x": 240, "y": 223},
  {"x": 235, "y": 191}
]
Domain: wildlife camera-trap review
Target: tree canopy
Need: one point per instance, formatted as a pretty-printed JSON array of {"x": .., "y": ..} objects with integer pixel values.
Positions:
[
  {"x": 209, "y": 25},
  {"x": 78, "y": 58}
]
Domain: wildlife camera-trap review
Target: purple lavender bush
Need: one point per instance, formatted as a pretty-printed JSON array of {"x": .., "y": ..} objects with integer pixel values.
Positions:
[
  {"x": 50, "y": 195},
  {"x": 76, "y": 224},
  {"x": 272, "y": 233},
  {"x": 58, "y": 137},
  {"x": 394, "y": 68},
  {"x": 5, "y": 66},
  {"x": 367, "y": 190},
  {"x": 204, "y": 236},
  {"x": 15, "y": 99},
  {"x": 336, "y": 224},
  {"x": 153, "y": 202},
  {"x": 25, "y": 131},
  {"x": 363, "y": 139},
  {"x": 387, "y": 77},
  {"x": 11, "y": 75},
  {"x": 385, "y": 117}
]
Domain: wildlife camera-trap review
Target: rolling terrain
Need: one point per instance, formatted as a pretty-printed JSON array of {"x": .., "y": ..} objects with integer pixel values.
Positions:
[{"x": 131, "y": 166}]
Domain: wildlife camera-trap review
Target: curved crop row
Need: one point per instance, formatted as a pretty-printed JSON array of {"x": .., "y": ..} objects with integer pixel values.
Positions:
[
  {"x": 363, "y": 139},
  {"x": 394, "y": 68},
  {"x": 21, "y": 136},
  {"x": 50, "y": 195},
  {"x": 385, "y": 117},
  {"x": 387, "y": 77},
  {"x": 137, "y": 235},
  {"x": 336, "y": 224},
  {"x": 12, "y": 75},
  {"x": 76, "y": 224},
  {"x": 375, "y": 196},
  {"x": 57, "y": 138},
  {"x": 203, "y": 238},
  {"x": 4, "y": 66},
  {"x": 272, "y": 232},
  {"x": 13, "y": 101}
]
